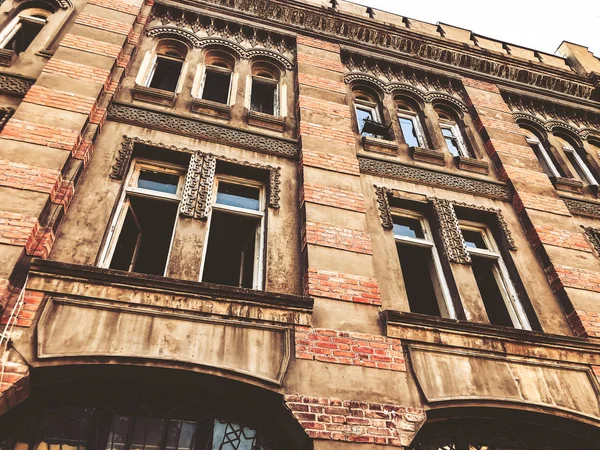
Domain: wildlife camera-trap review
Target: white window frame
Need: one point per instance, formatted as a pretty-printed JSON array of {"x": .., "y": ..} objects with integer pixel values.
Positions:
[
  {"x": 582, "y": 165},
  {"x": 414, "y": 118},
  {"x": 366, "y": 106},
  {"x": 223, "y": 70},
  {"x": 257, "y": 282},
  {"x": 457, "y": 134},
  {"x": 154, "y": 65},
  {"x": 15, "y": 25},
  {"x": 445, "y": 303},
  {"x": 533, "y": 140},
  {"x": 130, "y": 188},
  {"x": 276, "y": 99},
  {"x": 505, "y": 285}
]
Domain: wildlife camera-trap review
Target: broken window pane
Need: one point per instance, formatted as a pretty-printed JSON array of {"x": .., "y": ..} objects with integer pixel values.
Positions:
[
  {"x": 231, "y": 252},
  {"x": 263, "y": 97},
  {"x": 216, "y": 86},
  {"x": 239, "y": 196},
  {"x": 420, "y": 279},
  {"x": 409, "y": 131},
  {"x": 166, "y": 74},
  {"x": 408, "y": 227},
  {"x": 485, "y": 271}
]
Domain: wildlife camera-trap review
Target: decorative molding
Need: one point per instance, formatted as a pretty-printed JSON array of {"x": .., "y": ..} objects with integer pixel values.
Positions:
[
  {"x": 433, "y": 178},
  {"x": 383, "y": 204},
  {"x": 14, "y": 84},
  {"x": 180, "y": 33},
  {"x": 5, "y": 114},
  {"x": 499, "y": 217},
  {"x": 582, "y": 208},
  {"x": 198, "y": 129},
  {"x": 200, "y": 176},
  {"x": 64, "y": 4},
  {"x": 455, "y": 248},
  {"x": 429, "y": 49},
  {"x": 593, "y": 234}
]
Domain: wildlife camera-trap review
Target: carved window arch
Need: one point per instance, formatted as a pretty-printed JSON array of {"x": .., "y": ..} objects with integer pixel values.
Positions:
[
  {"x": 368, "y": 109},
  {"x": 410, "y": 120},
  {"x": 452, "y": 128},
  {"x": 265, "y": 91},
  {"x": 583, "y": 164},
  {"x": 216, "y": 79},
  {"x": 164, "y": 67}
]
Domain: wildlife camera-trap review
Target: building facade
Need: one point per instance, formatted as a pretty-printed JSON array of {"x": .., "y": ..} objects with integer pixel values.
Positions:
[{"x": 268, "y": 224}]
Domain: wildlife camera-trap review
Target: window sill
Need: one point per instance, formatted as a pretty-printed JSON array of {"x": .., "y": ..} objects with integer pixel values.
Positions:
[
  {"x": 268, "y": 121},
  {"x": 7, "y": 57},
  {"x": 210, "y": 108},
  {"x": 567, "y": 185},
  {"x": 427, "y": 155},
  {"x": 472, "y": 165},
  {"x": 152, "y": 95},
  {"x": 372, "y": 144}
]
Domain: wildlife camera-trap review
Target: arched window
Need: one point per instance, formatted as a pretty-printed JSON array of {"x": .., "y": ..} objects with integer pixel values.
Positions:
[
  {"x": 543, "y": 155},
  {"x": 23, "y": 29},
  {"x": 264, "y": 94},
  {"x": 163, "y": 69},
  {"x": 217, "y": 80},
  {"x": 367, "y": 106},
  {"x": 410, "y": 124},
  {"x": 578, "y": 158},
  {"x": 451, "y": 131}
]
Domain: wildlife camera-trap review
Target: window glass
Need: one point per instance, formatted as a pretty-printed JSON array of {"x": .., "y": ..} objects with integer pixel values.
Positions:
[
  {"x": 146, "y": 433},
  {"x": 451, "y": 141},
  {"x": 166, "y": 74},
  {"x": 238, "y": 195},
  {"x": 409, "y": 131},
  {"x": 158, "y": 181},
  {"x": 180, "y": 435},
  {"x": 408, "y": 227},
  {"x": 263, "y": 97},
  {"x": 216, "y": 86},
  {"x": 117, "y": 438},
  {"x": 474, "y": 239}
]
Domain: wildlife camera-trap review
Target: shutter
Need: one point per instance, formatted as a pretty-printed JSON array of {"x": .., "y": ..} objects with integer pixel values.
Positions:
[
  {"x": 233, "y": 88},
  {"x": 182, "y": 75},
  {"x": 248, "y": 94},
  {"x": 420, "y": 132},
  {"x": 198, "y": 85},
  {"x": 461, "y": 141},
  {"x": 283, "y": 102},
  {"x": 142, "y": 76}
]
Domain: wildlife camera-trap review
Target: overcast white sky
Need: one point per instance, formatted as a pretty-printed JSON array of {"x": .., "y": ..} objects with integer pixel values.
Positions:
[{"x": 537, "y": 24}]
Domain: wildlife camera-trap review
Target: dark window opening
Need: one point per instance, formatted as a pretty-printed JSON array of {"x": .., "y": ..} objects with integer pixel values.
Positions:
[
  {"x": 29, "y": 28},
  {"x": 543, "y": 162},
  {"x": 216, "y": 86},
  {"x": 231, "y": 250},
  {"x": 420, "y": 279},
  {"x": 263, "y": 97},
  {"x": 166, "y": 74},
  {"x": 474, "y": 239},
  {"x": 484, "y": 270},
  {"x": 145, "y": 240}
]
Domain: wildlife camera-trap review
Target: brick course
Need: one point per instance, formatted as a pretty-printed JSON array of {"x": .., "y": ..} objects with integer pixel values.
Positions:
[
  {"x": 355, "y": 349},
  {"x": 32, "y": 301},
  {"x": 561, "y": 276},
  {"x": 336, "y": 237},
  {"x": 317, "y": 43},
  {"x": 103, "y": 23},
  {"x": 338, "y": 198},
  {"x": 322, "y": 83},
  {"x": 327, "y": 134},
  {"x": 116, "y": 6},
  {"x": 60, "y": 99},
  {"x": 17, "y": 229},
  {"x": 544, "y": 234},
  {"x": 540, "y": 202},
  {"x": 24, "y": 176},
  {"x": 327, "y": 161},
  {"x": 77, "y": 71},
  {"x": 343, "y": 286},
  {"x": 46, "y": 135},
  {"x": 91, "y": 45},
  {"x": 354, "y": 421},
  {"x": 585, "y": 324}
]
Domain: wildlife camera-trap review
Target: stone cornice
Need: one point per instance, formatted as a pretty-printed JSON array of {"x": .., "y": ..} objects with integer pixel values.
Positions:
[{"x": 403, "y": 42}]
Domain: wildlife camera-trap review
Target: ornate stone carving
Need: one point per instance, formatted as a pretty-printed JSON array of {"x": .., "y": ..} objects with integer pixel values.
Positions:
[
  {"x": 593, "y": 234},
  {"x": 13, "y": 84},
  {"x": 499, "y": 217},
  {"x": 200, "y": 176},
  {"x": 582, "y": 208},
  {"x": 64, "y": 4},
  {"x": 439, "y": 51},
  {"x": 191, "y": 38},
  {"x": 421, "y": 175},
  {"x": 383, "y": 204},
  {"x": 202, "y": 130},
  {"x": 5, "y": 115},
  {"x": 447, "y": 222}
]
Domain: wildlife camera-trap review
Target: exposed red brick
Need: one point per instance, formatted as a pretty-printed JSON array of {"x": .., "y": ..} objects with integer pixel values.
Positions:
[
  {"x": 327, "y": 161},
  {"x": 327, "y": 84},
  {"x": 561, "y": 276},
  {"x": 63, "y": 194},
  {"x": 42, "y": 244},
  {"x": 60, "y": 99},
  {"x": 545, "y": 234},
  {"x": 17, "y": 229},
  {"x": 356, "y": 349},
  {"x": 91, "y": 45},
  {"x": 488, "y": 122},
  {"x": 323, "y": 63},
  {"x": 539, "y": 202},
  {"x": 25, "y": 311},
  {"x": 330, "y": 109},
  {"x": 355, "y": 421},
  {"x": 483, "y": 85},
  {"x": 77, "y": 71},
  {"x": 14, "y": 386},
  {"x": 103, "y": 23},
  {"x": 84, "y": 151},
  {"x": 338, "y": 198},
  {"x": 507, "y": 148},
  {"x": 342, "y": 286},
  {"x": 347, "y": 239},
  {"x": 327, "y": 134},
  {"x": 123, "y": 60},
  {"x": 49, "y": 136},
  {"x": 116, "y": 6},
  {"x": 317, "y": 43},
  {"x": 98, "y": 117},
  {"x": 585, "y": 324},
  {"x": 24, "y": 176},
  {"x": 5, "y": 291}
]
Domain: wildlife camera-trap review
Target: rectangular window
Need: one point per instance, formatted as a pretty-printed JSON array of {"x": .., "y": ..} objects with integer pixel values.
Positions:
[
  {"x": 497, "y": 291},
  {"x": 23, "y": 33},
  {"x": 233, "y": 254},
  {"x": 543, "y": 157},
  {"x": 424, "y": 280},
  {"x": 217, "y": 84},
  {"x": 165, "y": 73},
  {"x": 585, "y": 172},
  {"x": 264, "y": 96},
  {"x": 454, "y": 140},
  {"x": 411, "y": 130},
  {"x": 140, "y": 236}
]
